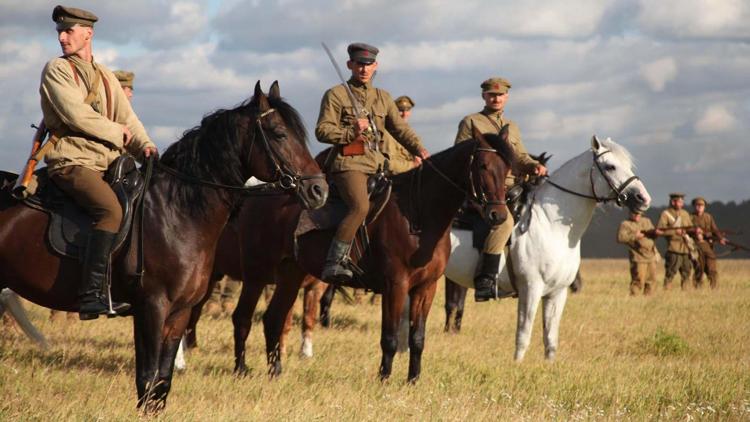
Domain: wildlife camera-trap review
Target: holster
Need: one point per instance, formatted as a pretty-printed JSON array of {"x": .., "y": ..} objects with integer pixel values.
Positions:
[{"x": 355, "y": 147}]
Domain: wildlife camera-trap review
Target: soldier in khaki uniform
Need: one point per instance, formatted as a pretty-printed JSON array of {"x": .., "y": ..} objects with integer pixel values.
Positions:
[
  {"x": 706, "y": 234},
  {"x": 491, "y": 120},
  {"x": 126, "y": 82},
  {"x": 638, "y": 233},
  {"x": 678, "y": 241},
  {"x": 400, "y": 160},
  {"x": 356, "y": 154},
  {"x": 92, "y": 123}
]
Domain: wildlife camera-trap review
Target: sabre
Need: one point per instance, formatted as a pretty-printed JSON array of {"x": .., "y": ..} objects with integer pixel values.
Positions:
[{"x": 355, "y": 104}]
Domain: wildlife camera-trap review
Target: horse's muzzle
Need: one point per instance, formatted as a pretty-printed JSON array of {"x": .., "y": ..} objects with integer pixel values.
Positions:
[
  {"x": 495, "y": 217},
  {"x": 313, "y": 192}
]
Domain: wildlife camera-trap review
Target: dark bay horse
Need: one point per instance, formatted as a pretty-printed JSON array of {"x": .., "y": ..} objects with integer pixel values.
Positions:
[
  {"x": 194, "y": 189},
  {"x": 400, "y": 261}
]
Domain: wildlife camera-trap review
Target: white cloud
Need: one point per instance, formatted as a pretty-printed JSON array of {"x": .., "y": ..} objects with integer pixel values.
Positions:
[
  {"x": 659, "y": 72},
  {"x": 696, "y": 18},
  {"x": 716, "y": 119}
]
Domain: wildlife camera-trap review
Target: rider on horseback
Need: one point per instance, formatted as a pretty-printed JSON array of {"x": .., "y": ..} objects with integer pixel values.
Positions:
[
  {"x": 91, "y": 124},
  {"x": 491, "y": 120},
  {"x": 358, "y": 143}
]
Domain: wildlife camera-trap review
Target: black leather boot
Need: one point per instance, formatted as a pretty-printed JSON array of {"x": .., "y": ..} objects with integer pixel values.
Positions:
[
  {"x": 485, "y": 283},
  {"x": 92, "y": 296},
  {"x": 335, "y": 271}
]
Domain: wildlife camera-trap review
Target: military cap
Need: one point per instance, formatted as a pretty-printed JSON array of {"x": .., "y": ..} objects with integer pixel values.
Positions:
[
  {"x": 699, "y": 200},
  {"x": 675, "y": 195},
  {"x": 495, "y": 86},
  {"x": 362, "y": 53},
  {"x": 404, "y": 103},
  {"x": 639, "y": 212},
  {"x": 67, "y": 17},
  {"x": 125, "y": 78}
]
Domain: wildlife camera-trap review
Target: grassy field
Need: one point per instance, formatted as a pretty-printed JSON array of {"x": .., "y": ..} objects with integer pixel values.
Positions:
[{"x": 672, "y": 356}]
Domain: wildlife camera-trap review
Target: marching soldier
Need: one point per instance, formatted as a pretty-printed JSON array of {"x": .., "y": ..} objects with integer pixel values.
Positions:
[
  {"x": 638, "y": 233},
  {"x": 400, "y": 159},
  {"x": 706, "y": 234},
  {"x": 675, "y": 223},
  {"x": 356, "y": 152},
  {"x": 491, "y": 120},
  {"x": 91, "y": 124}
]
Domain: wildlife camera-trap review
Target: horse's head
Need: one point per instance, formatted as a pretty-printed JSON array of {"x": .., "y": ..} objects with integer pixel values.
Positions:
[
  {"x": 612, "y": 172},
  {"x": 277, "y": 150},
  {"x": 492, "y": 161}
]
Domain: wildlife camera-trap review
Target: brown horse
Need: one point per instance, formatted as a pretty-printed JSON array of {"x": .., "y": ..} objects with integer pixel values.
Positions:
[
  {"x": 196, "y": 184},
  {"x": 229, "y": 263},
  {"x": 400, "y": 261}
]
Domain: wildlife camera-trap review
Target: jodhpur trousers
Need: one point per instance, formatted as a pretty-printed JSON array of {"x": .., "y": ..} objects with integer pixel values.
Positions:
[
  {"x": 89, "y": 190},
  {"x": 674, "y": 262},
  {"x": 498, "y": 237},
  {"x": 352, "y": 186}
]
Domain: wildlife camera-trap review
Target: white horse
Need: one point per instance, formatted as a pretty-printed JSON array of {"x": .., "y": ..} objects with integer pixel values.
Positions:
[{"x": 545, "y": 245}]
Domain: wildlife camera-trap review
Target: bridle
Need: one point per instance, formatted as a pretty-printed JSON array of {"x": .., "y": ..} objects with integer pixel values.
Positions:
[
  {"x": 288, "y": 179},
  {"x": 618, "y": 192},
  {"x": 474, "y": 195}
]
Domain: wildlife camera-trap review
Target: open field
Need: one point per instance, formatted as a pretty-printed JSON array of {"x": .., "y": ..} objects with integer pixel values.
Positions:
[{"x": 672, "y": 356}]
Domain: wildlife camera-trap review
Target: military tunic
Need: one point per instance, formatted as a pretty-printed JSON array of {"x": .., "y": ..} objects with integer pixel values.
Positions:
[
  {"x": 707, "y": 259},
  {"x": 88, "y": 137},
  {"x": 641, "y": 252},
  {"x": 337, "y": 119},
  {"x": 523, "y": 163},
  {"x": 677, "y": 258},
  {"x": 399, "y": 158}
]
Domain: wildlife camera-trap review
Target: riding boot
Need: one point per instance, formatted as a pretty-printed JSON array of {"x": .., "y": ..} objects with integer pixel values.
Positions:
[
  {"x": 335, "y": 271},
  {"x": 485, "y": 283},
  {"x": 93, "y": 297}
]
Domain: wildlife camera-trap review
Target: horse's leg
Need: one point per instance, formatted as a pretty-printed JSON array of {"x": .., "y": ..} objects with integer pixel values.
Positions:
[
  {"x": 242, "y": 320},
  {"x": 285, "y": 331},
  {"x": 191, "y": 335},
  {"x": 528, "y": 300},
  {"x": 148, "y": 325},
  {"x": 392, "y": 306},
  {"x": 325, "y": 306},
  {"x": 460, "y": 302},
  {"x": 313, "y": 291},
  {"x": 174, "y": 328},
  {"x": 421, "y": 301},
  {"x": 288, "y": 284},
  {"x": 403, "y": 328},
  {"x": 552, "y": 310}
]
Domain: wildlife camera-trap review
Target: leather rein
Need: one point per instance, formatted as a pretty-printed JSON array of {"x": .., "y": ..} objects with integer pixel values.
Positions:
[
  {"x": 288, "y": 179},
  {"x": 618, "y": 192}
]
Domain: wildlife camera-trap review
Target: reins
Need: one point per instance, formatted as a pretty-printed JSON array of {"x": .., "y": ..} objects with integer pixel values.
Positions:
[{"x": 618, "y": 194}]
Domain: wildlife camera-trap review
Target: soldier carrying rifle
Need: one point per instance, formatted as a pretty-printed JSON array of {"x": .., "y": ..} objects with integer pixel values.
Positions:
[
  {"x": 680, "y": 246},
  {"x": 706, "y": 235},
  {"x": 638, "y": 233}
]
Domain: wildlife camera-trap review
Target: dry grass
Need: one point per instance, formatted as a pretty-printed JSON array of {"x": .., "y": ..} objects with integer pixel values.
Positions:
[{"x": 673, "y": 356}]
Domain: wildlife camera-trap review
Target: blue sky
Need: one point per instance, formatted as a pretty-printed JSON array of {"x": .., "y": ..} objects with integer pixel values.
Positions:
[{"x": 667, "y": 79}]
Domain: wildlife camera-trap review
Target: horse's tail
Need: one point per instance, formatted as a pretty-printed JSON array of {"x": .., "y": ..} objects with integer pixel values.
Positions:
[{"x": 9, "y": 301}]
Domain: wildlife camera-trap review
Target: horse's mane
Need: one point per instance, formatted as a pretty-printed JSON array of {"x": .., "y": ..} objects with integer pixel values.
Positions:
[
  {"x": 212, "y": 150},
  {"x": 620, "y": 152},
  {"x": 494, "y": 139}
]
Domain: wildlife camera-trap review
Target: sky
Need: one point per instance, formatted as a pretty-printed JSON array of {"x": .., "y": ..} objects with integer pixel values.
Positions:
[{"x": 667, "y": 79}]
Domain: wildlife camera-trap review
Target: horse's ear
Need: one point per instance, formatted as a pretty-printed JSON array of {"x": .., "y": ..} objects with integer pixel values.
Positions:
[
  {"x": 504, "y": 132},
  {"x": 595, "y": 143},
  {"x": 261, "y": 98},
  {"x": 274, "y": 92}
]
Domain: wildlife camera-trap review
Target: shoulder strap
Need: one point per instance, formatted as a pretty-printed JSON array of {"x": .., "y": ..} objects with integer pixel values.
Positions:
[
  {"x": 107, "y": 93},
  {"x": 94, "y": 85},
  {"x": 75, "y": 72},
  {"x": 494, "y": 123}
]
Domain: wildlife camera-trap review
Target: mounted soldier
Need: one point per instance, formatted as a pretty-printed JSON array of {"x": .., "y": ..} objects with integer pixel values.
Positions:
[
  {"x": 707, "y": 233},
  {"x": 91, "y": 124},
  {"x": 491, "y": 120},
  {"x": 358, "y": 119},
  {"x": 676, "y": 222}
]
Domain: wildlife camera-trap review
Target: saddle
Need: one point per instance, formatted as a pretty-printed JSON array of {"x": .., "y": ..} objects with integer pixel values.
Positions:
[
  {"x": 329, "y": 215},
  {"x": 69, "y": 224}
]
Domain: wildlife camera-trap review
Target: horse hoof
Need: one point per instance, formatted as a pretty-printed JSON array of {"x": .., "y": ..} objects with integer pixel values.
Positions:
[{"x": 241, "y": 371}]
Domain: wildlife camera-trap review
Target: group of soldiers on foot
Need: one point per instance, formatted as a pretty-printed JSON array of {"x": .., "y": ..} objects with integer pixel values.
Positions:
[{"x": 690, "y": 246}]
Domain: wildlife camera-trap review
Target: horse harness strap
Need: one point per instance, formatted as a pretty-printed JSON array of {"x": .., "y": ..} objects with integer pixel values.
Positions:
[{"x": 617, "y": 192}]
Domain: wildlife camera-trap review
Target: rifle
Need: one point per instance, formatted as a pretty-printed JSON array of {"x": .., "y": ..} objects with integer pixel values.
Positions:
[
  {"x": 652, "y": 232},
  {"x": 358, "y": 109},
  {"x": 737, "y": 247},
  {"x": 37, "y": 153}
]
